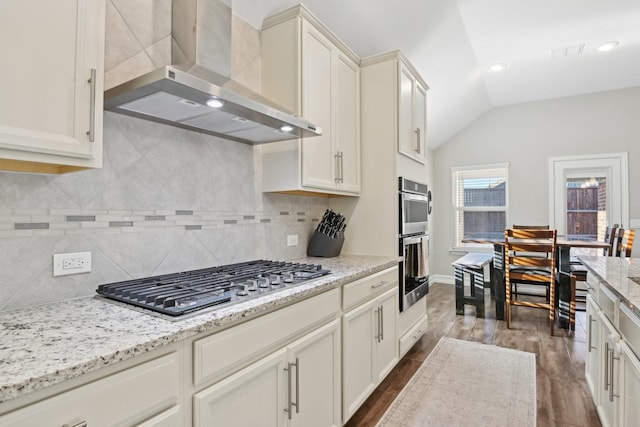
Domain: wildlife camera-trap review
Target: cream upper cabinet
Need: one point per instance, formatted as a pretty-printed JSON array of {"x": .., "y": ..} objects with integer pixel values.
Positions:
[
  {"x": 412, "y": 113},
  {"x": 308, "y": 71},
  {"x": 52, "y": 84}
]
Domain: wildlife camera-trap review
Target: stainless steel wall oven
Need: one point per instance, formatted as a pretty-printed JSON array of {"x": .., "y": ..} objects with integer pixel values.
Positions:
[{"x": 414, "y": 209}]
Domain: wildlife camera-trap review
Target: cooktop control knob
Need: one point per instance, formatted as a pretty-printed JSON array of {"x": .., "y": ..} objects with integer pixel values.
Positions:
[
  {"x": 263, "y": 282},
  {"x": 287, "y": 276},
  {"x": 242, "y": 291},
  {"x": 274, "y": 279},
  {"x": 252, "y": 285}
]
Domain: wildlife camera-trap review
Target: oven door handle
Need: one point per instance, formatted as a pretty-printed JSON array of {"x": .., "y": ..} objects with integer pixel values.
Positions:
[{"x": 412, "y": 240}]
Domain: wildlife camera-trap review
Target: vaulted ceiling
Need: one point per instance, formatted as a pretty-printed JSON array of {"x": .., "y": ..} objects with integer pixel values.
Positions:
[{"x": 549, "y": 47}]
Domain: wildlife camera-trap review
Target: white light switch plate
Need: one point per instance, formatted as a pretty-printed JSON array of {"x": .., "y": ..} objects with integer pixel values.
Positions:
[
  {"x": 71, "y": 263},
  {"x": 634, "y": 223}
]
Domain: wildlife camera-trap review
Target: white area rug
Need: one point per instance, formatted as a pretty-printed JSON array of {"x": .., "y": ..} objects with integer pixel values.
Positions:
[{"x": 465, "y": 383}]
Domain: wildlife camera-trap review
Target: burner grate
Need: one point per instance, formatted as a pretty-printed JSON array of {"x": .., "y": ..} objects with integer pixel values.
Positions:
[{"x": 179, "y": 294}]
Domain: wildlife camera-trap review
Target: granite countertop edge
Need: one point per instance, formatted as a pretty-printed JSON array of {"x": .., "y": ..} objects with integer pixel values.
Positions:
[
  {"x": 36, "y": 342},
  {"x": 615, "y": 274}
]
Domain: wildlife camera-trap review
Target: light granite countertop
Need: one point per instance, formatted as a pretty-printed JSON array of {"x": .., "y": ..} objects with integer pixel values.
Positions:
[
  {"x": 51, "y": 343},
  {"x": 615, "y": 273}
]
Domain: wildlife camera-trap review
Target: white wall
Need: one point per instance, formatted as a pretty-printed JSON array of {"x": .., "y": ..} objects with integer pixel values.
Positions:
[{"x": 526, "y": 136}]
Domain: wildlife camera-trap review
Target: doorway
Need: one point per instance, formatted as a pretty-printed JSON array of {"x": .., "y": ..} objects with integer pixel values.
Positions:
[{"x": 587, "y": 193}]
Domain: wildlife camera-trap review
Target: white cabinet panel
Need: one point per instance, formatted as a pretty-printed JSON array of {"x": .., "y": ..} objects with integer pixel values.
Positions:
[
  {"x": 52, "y": 84},
  {"x": 370, "y": 348},
  {"x": 137, "y": 393},
  {"x": 323, "y": 79}
]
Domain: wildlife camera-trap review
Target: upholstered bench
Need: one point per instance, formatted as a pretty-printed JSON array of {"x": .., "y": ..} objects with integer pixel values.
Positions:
[{"x": 472, "y": 264}]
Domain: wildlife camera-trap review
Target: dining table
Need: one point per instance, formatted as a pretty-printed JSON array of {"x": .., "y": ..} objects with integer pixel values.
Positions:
[{"x": 563, "y": 265}]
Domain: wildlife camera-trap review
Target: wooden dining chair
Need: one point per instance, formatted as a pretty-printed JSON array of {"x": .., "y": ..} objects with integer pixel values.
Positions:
[
  {"x": 530, "y": 257},
  {"x": 610, "y": 235},
  {"x": 624, "y": 244}
]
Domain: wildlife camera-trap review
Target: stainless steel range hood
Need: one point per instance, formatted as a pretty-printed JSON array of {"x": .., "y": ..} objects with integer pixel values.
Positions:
[{"x": 179, "y": 94}]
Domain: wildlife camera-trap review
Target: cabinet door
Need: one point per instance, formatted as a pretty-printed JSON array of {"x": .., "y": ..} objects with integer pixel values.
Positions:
[
  {"x": 318, "y": 157},
  {"x": 406, "y": 139},
  {"x": 592, "y": 360},
  {"x": 420, "y": 121},
  {"x": 49, "y": 50},
  {"x": 630, "y": 408},
  {"x": 358, "y": 335},
  {"x": 317, "y": 374},
  {"x": 609, "y": 373},
  {"x": 254, "y": 396},
  {"x": 386, "y": 349},
  {"x": 347, "y": 119}
]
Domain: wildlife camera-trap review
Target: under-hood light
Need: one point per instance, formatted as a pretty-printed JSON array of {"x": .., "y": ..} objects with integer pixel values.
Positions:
[
  {"x": 286, "y": 128},
  {"x": 215, "y": 102},
  {"x": 605, "y": 47}
]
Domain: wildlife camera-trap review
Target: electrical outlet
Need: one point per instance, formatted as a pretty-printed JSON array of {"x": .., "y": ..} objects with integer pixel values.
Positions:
[
  {"x": 292, "y": 240},
  {"x": 634, "y": 223},
  {"x": 71, "y": 263}
]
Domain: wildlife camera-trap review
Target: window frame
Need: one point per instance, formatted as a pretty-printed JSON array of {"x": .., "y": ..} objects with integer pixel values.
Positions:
[{"x": 457, "y": 245}]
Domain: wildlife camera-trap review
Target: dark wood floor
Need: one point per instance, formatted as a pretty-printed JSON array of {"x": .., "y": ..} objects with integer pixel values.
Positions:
[{"x": 563, "y": 398}]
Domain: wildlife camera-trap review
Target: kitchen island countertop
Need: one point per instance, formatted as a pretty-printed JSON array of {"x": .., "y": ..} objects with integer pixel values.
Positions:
[
  {"x": 616, "y": 273},
  {"x": 48, "y": 344}
]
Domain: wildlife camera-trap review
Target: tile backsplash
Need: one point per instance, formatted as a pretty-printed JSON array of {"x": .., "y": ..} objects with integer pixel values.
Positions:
[{"x": 166, "y": 200}]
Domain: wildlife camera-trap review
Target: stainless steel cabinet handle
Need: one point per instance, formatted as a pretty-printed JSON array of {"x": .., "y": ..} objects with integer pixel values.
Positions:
[
  {"x": 381, "y": 323},
  {"x": 611, "y": 395},
  {"x": 289, "y": 402},
  {"x": 80, "y": 424},
  {"x": 589, "y": 346},
  {"x": 297, "y": 404},
  {"x": 378, "y": 324},
  {"x": 341, "y": 167},
  {"x": 377, "y": 285},
  {"x": 418, "y": 148},
  {"x": 92, "y": 109},
  {"x": 606, "y": 366},
  {"x": 337, "y": 158}
]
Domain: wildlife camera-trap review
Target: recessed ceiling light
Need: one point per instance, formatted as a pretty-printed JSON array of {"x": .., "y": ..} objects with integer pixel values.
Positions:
[
  {"x": 500, "y": 66},
  {"x": 605, "y": 47},
  {"x": 215, "y": 102}
]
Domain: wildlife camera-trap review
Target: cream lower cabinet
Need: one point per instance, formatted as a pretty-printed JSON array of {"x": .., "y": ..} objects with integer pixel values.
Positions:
[
  {"x": 308, "y": 71},
  {"x": 607, "y": 406},
  {"x": 51, "y": 85},
  {"x": 297, "y": 386},
  {"x": 144, "y": 395},
  {"x": 612, "y": 367},
  {"x": 370, "y": 348},
  {"x": 592, "y": 359}
]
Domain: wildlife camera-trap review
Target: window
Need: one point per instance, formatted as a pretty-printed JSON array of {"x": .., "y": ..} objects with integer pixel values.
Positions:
[{"x": 479, "y": 202}]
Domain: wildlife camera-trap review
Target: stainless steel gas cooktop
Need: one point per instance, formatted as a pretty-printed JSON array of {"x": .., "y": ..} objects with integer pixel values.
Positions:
[{"x": 186, "y": 293}]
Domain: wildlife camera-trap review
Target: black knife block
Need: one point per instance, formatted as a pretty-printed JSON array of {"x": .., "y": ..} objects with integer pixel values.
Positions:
[{"x": 324, "y": 246}]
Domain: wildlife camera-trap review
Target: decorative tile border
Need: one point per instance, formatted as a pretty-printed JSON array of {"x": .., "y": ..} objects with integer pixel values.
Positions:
[{"x": 58, "y": 222}]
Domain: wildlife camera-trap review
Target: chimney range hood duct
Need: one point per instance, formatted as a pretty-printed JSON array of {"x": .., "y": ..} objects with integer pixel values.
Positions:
[{"x": 181, "y": 94}]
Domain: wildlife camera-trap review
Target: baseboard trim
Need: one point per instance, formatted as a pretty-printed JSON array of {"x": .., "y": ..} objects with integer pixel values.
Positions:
[{"x": 441, "y": 278}]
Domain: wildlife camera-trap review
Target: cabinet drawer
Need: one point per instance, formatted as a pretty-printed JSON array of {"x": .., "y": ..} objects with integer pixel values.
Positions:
[
  {"x": 629, "y": 326},
  {"x": 607, "y": 301},
  {"x": 361, "y": 290},
  {"x": 413, "y": 335},
  {"x": 220, "y": 354},
  {"x": 125, "y": 398}
]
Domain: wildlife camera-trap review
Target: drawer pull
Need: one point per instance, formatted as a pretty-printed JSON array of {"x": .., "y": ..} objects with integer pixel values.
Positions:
[
  {"x": 80, "y": 424},
  {"x": 377, "y": 285}
]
